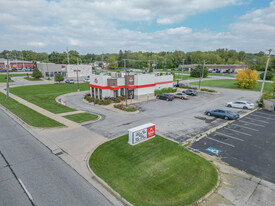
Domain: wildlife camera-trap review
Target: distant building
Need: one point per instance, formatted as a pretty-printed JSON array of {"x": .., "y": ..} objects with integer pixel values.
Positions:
[
  {"x": 20, "y": 65},
  {"x": 216, "y": 68},
  {"x": 136, "y": 84}
]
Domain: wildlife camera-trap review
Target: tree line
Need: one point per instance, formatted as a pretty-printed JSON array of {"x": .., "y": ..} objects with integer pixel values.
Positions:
[{"x": 141, "y": 60}]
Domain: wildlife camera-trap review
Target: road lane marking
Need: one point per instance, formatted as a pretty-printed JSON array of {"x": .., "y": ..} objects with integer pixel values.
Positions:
[
  {"x": 238, "y": 131},
  {"x": 257, "y": 120},
  {"x": 226, "y": 135},
  {"x": 220, "y": 141},
  {"x": 25, "y": 189},
  {"x": 245, "y": 127},
  {"x": 252, "y": 123},
  {"x": 262, "y": 117}
]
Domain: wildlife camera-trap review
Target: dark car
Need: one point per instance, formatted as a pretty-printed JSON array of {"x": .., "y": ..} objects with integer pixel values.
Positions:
[
  {"x": 167, "y": 97},
  {"x": 180, "y": 85},
  {"x": 222, "y": 113},
  {"x": 191, "y": 92}
]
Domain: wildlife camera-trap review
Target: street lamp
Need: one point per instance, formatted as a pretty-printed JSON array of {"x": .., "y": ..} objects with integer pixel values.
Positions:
[
  {"x": 8, "y": 67},
  {"x": 126, "y": 88},
  {"x": 266, "y": 66},
  {"x": 77, "y": 70}
]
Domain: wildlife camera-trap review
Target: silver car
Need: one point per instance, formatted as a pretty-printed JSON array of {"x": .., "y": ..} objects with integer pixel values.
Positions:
[
  {"x": 241, "y": 104},
  {"x": 181, "y": 96}
]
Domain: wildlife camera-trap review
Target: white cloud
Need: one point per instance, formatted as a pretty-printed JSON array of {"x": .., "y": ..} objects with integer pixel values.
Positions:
[{"x": 36, "y": 43}]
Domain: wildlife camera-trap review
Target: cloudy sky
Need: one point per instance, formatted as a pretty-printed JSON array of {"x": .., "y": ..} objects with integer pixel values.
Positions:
[{"x": 96, "y": 26}]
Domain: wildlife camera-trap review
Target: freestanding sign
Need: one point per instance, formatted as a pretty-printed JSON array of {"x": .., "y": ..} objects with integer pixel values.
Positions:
[{"x": 141, "y": 133}]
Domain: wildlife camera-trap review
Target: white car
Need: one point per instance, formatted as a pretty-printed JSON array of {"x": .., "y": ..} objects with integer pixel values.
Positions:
[
  {"x": 241, "y": 104},
  {"x": 87, "y": 80}
]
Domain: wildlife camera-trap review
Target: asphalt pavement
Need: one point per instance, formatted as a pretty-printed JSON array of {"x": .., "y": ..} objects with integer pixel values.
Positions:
[{"x": 31, "y": 174}]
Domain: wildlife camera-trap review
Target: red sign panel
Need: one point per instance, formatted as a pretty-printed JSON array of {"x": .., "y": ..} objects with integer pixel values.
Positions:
[
  {"x": 131, "y": 79},
  {"x": 96, "y": 80},
  {"x": 150, "y": 131}
]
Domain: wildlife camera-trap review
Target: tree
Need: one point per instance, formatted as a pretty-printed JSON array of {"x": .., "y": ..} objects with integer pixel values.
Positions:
[
  {"x": 247, "y": 78},
  {"x": 197, "y": 72},
  {"x": 272, "y": 64},
  {"x": 58, "y": 78},
  {"x": 269, "y": 75},
  {"x": 36, "y": 74}
]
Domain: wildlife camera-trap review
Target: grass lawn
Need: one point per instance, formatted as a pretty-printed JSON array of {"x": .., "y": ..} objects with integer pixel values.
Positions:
[
  {"x": 2, "y": 76},
  {"x": 28, "y": 115},
  {"x": 155, "y": 172},
  {"x": 44, "y": 95},
  {"x": 222, "y": 75},
  {"x": 81, "y": 117},
  {"x": 230, "y": 84},
  {"x": 32, "y": 79},
  {"x": 183, "y": 77}
]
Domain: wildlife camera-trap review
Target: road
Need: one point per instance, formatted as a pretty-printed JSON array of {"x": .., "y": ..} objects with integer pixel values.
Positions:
[{"x": 47, "y": 178}]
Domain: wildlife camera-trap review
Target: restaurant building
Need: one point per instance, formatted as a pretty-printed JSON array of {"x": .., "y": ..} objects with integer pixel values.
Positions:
[{"x": 136, "y": 85}]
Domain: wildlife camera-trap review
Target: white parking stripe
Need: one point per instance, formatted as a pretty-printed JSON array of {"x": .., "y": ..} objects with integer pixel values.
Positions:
[
  {"x": 220, "y": 142},
  {"x": 262, "y": 116},
  {"x": 226, "y": 135},
  {"x": 252, "y": 123},
  {"x": 193, "y": 149},
  {"x": 245, "y": 127},
  {"x": 237, "y": 131},
  {"x": 264, "y": 113},
  {"x": 257, "y": 120}
]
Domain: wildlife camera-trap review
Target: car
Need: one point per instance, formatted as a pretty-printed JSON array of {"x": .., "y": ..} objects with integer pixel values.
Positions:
[
  {"x": 191, "y": 92},
  {"x": 241, "y": 104},
  {"x": 180, "y": 84},
  {"x": 165, "y": 96},
  {"x": 69, "y": 81},
  {"x": 222, "y": 113},
  {"x": 87, "y": 80},
  {"x": 181, "y": 96}
]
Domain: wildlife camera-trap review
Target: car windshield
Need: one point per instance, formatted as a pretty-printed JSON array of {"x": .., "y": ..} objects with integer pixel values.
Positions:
[
  {"x": 248, "y": 102},
  {"x": 229, "y": 112}
]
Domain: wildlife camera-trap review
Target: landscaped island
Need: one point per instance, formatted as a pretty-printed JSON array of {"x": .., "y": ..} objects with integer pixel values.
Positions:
[{"x": 155, "y": 172}]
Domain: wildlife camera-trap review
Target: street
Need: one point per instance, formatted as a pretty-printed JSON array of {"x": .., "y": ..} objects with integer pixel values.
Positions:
[{"x": 47, "y": 179}]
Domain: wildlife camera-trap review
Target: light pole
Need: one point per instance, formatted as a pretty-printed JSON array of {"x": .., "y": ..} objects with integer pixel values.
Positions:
[
  {"x": 126, "y": 87},
  {"x": 203, "y": 68},
  {"x": 8, "y": 67},
  {"x": 266, "y": 66},
  {"x": 182, "y": 69},
  {"x": 77, "y": 70},
  {"x": 200, "y": 80}
]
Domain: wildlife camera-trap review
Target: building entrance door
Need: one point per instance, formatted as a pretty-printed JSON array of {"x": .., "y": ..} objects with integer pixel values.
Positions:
[{"x": 131, "y": 94}]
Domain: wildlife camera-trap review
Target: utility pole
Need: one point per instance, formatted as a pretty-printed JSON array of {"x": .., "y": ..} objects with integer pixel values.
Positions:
[
  {"x": 182, "y": 69},
  {"x": 8, "y": 67},
  {"x": 22, "y": 60},
  {"x": 203, "y": 68},
  {"x": 200, "y": 80},
  {"x": 149, "y": 63},
  {"x": 126, "y": 83},
  {"x": 77, "y": 70},
  {"x": 68, "y": 58},
  {"x": 266, "y": 66}
]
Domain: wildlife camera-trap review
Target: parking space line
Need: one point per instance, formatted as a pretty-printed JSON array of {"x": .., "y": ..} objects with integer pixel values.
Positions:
[
  {"x": 238, "y": 131},
  {"x": 262, "y": 117},
  {"x": 245, "y": 127},
  {"x": 220, "y": 141},
  {"x": 226, "y": 135},
  {"x": 266, "y": 114},
  {"x": 259, "y": 125},
  {"x": 193, "y": 149},
  {"x": 257, "y": 120}
]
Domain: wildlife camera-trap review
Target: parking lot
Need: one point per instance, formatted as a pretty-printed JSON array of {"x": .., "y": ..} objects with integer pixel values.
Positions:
[{"x": 247, "y": 144}]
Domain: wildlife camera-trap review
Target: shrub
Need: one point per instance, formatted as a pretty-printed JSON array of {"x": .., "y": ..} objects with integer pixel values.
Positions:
[
  {"x": 58, "y": 78},
  {"x": 130, "y": 108},
  {"x": 117, "y": 100},
  {"x": 96, "y": 101},
  {"x": 118, "y": 106},
  {"x": 6, "y": 78},
  {"x": 165, "y": 90},
  {"x": 247, "y": 78},
  {"x": 269, "y": 75},
  {"x": 197, "y": 72},
  {"x": 260, "y": 103},
  {"x": 187, "y": 87},
  {"x": 208, "y": 90},
  {"x": 36, "y": 74}
]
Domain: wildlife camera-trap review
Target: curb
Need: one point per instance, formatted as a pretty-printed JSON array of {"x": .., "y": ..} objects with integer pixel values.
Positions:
[{"x": 102, "y": 182}]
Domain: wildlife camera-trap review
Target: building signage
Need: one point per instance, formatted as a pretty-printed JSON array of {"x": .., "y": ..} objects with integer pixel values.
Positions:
[
  {"x": 131, "y": 79},
  {"x": 96, "y": 81},
  {"x": 141, "y": 133}
]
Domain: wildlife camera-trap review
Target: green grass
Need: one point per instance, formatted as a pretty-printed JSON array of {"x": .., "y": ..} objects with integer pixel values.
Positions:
[
  {"x": 44, "y": 95},
  {"x": 155, "y": 172},
  {"x": 32, "y": 79},
  {"x": 230, "y": 84},
  {"x": 2, "y": 76},
  {"x": 28, "y": 115},
  {"x": 222, "y": 75},
  {"x": 183, "y": 77},
  {"x": 81, "y": 117}
]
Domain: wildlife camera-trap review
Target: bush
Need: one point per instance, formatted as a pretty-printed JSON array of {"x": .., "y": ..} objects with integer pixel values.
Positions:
[
  {"x": 58, "y": 78},
  {"x": 247, "y": 78},
  {"x": 197, "y": 72},
  {"x": 6, "y": 78},
  {"x": 117, "y": 100},
  {"x": 187, "y": 87},
  {"x": 165, "y": 90},
  {"x": 208, "y": 90},
  {"x": 269, "y": 75},
  {"x": 36, "y": 74},
  {"x": 130, "y": 108},
  {"x": 260, "y": 103}
]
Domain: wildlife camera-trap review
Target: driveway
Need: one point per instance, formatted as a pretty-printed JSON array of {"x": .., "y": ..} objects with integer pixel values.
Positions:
[
  {"x": 178, "y": 120},
  {"x": 247, "y": 144}
]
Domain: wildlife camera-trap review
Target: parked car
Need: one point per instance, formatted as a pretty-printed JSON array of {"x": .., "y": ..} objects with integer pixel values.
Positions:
[
  {"x": 222, "y": 113},
  {"x": 87, "y": 80},
  {"x": 165, "y": 96},
  {"x": 181, "y": 96},
  {"x": 191, "y": 92},
  {"x": 241, "y": 104},
  {"x": 69, "y": 81},
  {"x": 180, "y": 84}
]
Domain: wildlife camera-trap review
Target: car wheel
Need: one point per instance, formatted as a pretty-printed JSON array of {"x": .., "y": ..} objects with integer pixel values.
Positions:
[
  {"x": 193, "y": 94},
  {"x": 226, "y": 118},
  {"x": 157, "y": 97},
  {"x": 229, "y": 105},
  {"x": 245, "y": 107},
  {"x": 208, "y": 113},
  {"x": 167, "y": 99}
]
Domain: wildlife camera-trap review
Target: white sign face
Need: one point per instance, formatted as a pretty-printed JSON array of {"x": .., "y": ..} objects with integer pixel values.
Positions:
[{"x": 141, "y": 133}]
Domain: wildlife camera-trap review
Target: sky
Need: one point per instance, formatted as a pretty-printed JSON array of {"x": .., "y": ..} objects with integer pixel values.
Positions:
[{"x": 107, "y": 26}]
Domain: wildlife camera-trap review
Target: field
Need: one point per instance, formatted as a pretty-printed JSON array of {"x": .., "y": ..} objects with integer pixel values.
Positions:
[
  {"x": 2, "y": 76},
  {"x": 28, "y": 115},
  {"x": 81, "y": 117},
  {"x": 155, "y": 172},
  {"x": 230, "y": 84},
  {"x": 44, "y": 95}
]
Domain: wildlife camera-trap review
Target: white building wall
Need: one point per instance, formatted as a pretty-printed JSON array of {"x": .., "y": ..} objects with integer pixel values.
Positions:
[
  {"x": 164, "y": 78},
  {"x": 144, "y": 79},
  {"x": 85, "y": 71}
]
